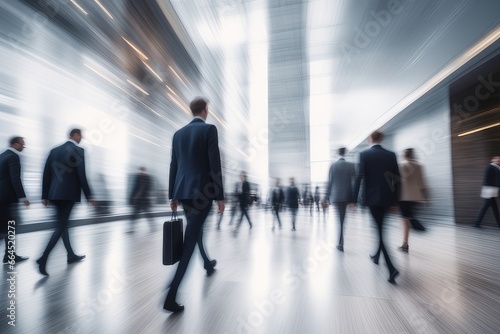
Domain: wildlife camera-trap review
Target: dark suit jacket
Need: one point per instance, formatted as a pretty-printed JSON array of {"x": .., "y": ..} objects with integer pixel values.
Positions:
[
  {"x": 491, "y": 176},
  {"x": 292, "y": 197},
  {"x": 64, "y": 175},
  {"x": 278, "y": 196},
  {"x": 195, "y": 169},
  {"x": 11, "y": 188},
  {"x": 244, "y": 196},
  {"x": 141, "y": 190},
  {"x": 380, "y": 171},
  {"x": 341, "y": 182}
]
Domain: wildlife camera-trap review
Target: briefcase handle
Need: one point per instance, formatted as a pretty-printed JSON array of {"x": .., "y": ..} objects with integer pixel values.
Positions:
[{"x": 174, "y": 216}]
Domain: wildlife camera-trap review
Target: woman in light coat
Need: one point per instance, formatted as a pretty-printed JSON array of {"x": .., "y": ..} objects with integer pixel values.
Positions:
[{"x": 413, "y": 190}]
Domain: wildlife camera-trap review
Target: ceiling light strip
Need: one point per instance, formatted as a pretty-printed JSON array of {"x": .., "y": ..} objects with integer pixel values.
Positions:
[
  {"x": 79, "y": 7},
  {"x": 479, "y": 129},
  {"x": 103, "y": 9},
  {"x": 136, "y": 49},
  {"x": 452, "y": 67}
]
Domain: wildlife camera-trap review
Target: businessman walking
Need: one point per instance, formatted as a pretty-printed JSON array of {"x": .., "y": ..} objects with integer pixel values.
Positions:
[
  {"x": 11, "y": 192},
  {"x": 380, "y": 171},
  {"x": 64, "y": 178},
  {"x": 195, "y": 180}
]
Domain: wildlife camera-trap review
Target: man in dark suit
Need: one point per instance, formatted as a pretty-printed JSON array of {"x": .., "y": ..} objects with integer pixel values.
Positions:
[
  {"x": 11, "y": 192},
  {"x": 64, "y": 178},
  {"x": 140, "y": 197},
  {"x": 380, "y": 172},
  {"x": 292, "y": 200},
  {"x": 277, "y": 199},
  {"x": 195, "y": 181},
  {"x": 244, "y": 198},
  {"x": 339, "y": 191},
  {"x": 491, "y": 184}
]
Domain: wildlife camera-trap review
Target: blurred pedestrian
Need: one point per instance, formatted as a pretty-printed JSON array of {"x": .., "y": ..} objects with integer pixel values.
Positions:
[
  {"x": 140, "y": 197},
  {"x": 341, "y": 177},
  {"x": 11, "y": 192},
  {"x": 489, "y": 191},
  {"x": 277, "y": 199},
  {"x": 292, "y": 200},
  {"x": 413, "y": 191},
  {"x": 244, "y": 198},
  {"x": 379, "y": 170},
  {"x": 64, "y": 179}
]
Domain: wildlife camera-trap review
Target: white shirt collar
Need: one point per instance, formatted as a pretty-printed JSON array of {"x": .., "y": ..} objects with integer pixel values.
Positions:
[
  {"x": 73, "y": 141},
  {"x": 14, "y": 150}
]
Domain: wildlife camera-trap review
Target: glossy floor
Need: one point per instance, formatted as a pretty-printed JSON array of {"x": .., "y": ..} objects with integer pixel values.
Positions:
[{"x": 267, "y": 281}]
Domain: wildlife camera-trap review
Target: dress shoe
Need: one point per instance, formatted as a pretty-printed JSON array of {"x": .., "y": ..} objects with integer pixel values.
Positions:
[
  {"x": 18, "y": 258},
  {"x": 293, "y": 228},
  {"x": 172, "y": 306},
  {"x": 340, "y": 248},
  {"x": 394, "y": 274},
  {"x": 374, "y": 259},
  {"x": 210, "y": 268},
  {"x": 75, "y": 258},
  {"x": 41, "y": 267},
  {"x": 405, "y": 248}
]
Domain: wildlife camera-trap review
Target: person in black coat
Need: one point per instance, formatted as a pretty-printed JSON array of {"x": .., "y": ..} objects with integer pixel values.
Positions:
[
  {"x": 341, "y": 178},
  {"x": 140, "y": 197},
  {"x": 491, "y": 184},
  {"x": 11, "y": 192},
  {"x": 292, "y": 200},
  {"x": 195, "y": 181},
  {"x": 244, "y": 198},
  {"x": 379, "y": 170},
  {"x": 277, "y": 199},
  {"x": 64, "y": 179}
]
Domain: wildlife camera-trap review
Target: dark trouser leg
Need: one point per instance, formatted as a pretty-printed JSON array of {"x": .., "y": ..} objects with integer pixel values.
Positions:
[
  {"x": 378, "y": 213},
  {"x": 5, "y": 216},
  {"x": 135, "y": 214},
  {"x": 294, "y": 215},
  {"x": 341, "y": 208},
  {"x": 63, "y": 210},
  {"x": 482, "y": 211},
  {"x": 195, "y": 217},
  {"x": 277, "y": 213},
  {"x": 203, "y": 253},
  {"x": 494, "y": 207},
  {"x": 487, "y": 202},
  {"x": 245, "y": 211}
]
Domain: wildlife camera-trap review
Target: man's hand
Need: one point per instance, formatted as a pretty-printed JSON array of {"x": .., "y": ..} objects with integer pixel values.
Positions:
[
  {"x": 221, "y": 207},
  {"x": 173, "y": 204},
  {"x": 26, "y": 202},
  {"x": 45, "y": 202}
]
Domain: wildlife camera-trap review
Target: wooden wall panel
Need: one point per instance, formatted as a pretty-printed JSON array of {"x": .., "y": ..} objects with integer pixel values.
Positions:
[{"x": 474, "y": 103}]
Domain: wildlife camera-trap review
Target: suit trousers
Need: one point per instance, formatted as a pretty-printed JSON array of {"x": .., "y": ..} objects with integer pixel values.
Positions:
[
  {"x": 196, "y": 215},
  {"x": 276, "y": 210},
  {"x": 378, "y": 214},
  {"x": 63, "y": 211},
  {"x": 8, "y": 212},
  {"x": 487, "y": 202},
  {"x": 341, "y": 209}
]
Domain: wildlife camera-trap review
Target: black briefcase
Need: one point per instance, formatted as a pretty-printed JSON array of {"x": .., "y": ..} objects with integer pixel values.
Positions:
[{"x": 172, "y": 240}]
